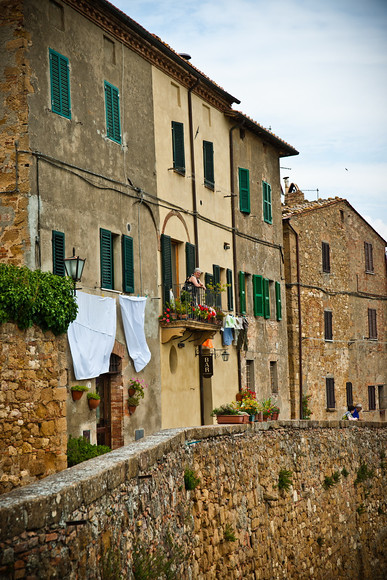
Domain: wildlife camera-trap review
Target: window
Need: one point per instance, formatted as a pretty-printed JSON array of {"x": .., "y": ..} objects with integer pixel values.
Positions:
[
  {"x": 58, "y": 253},
  {"x": 258, "y": 295},
  {"x": 330, "y": 392},
  {"x": 209, "y": 282},
  {"x": 250, "y": 379},
  {"x": 273, "y": 376},
  {"x": 230, "y": 295},
  {"x": 328, "y": 325},
  {"x": 242, "y": 293},
  {"x": 369, "y": 260},
  {"x": 127, "y": 264},
  {"x": 112, "y": 105},
  {"x": 107, "y": 261},
  {"x": 166, "y": 266},
  {"x": 326, "y": 264},
  {"x": 372, "y": 330},
  {"x": 217, "y": 284},
  {"x": 60, "y": 84},
  {"x": 266, "y": 297},
  {"x": 190, "y": 258},
  {"x": 371, "y": 398},
  {"x": 348, "y": 388},
  {"x": 381, "y": 397},
  {"x": 178, "y": 147},
  {"x": 208, "y": 164},
  {"x": 267, "y": 216},
  {"x": 278, "y": 301},
  {"x": 244, "y": 190}
]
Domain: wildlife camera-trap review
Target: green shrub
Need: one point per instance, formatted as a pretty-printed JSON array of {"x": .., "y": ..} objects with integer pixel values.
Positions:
[
  {"x": 336, "y": 476},
  {"x": 34, "y": 297},
  {"x": 284, "y": 479},
  {"x": 363, "y": 473},
  {"x": 228, "y": 534},
  {"x": 79, "y": 449},
  {"x": 93, "y": 396},
  {"x": 190, "y": 479},
  {"x": 328, "y": 482},
  {"x": 81, "y": 388},
  {"x": 344, "y": 472}
]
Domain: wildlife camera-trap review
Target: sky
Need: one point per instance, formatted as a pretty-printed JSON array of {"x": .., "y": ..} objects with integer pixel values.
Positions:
[{"x": 312, "y": 71}]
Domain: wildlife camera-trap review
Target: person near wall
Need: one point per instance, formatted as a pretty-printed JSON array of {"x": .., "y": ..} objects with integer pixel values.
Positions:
[
  {"x": 358, "y": 408},
  {"x": 193, "y": 284},
  {"x": 349, "y": 414}
]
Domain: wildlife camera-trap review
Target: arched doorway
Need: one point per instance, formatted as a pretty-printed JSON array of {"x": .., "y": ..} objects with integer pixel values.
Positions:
[{"x": 110, "y": 411}]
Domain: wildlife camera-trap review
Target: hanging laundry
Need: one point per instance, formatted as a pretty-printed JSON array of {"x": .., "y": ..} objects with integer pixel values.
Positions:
[
  {"x": 133, "y": 317},
  {"x": 227, "y": 336},
  {"x": 92, "y": 334}
]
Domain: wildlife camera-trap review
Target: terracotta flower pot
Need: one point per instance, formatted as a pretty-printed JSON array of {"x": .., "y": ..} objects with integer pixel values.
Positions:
[
  {"x": 259, "y": 417},
  {"x": 274, "y": 416},
  {"x": 222, "y": 419},
  {"x": 238, "y": 397},
  {"x": 132, "y": 392},
  {"x": 93, "y": 403},
  {"x": 76, "y": 395},
  {"x": 132, "y": 409}
]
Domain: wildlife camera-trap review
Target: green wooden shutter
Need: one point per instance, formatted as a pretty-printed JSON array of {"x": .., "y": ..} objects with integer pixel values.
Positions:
[
  {"x": 278, "y": 300},
  {"x": 209, "y": 281},
  {"x": 208, "y": 163},
  {"x": 242, "y": 293},
  {"x": 266, "y": 297},
  {"x": 230, "y": 294},
  {"x": 107, "y": 264},
  {"x": 166, "y": 266},
  {"x": 244, "y": 190},
  {"x": 127, "y": 264},
  {"x": 112, "y": 103},
  {"x": 178, "y": 147},
  {"x": 258, "y": 295},
  {"x": 190, "y": 258},
  {"x": 58, "y": 253},
  {"x": 217, "y": 294},
  {"x": 60, "y": 84},
  {"x": 267, "y": 216}
]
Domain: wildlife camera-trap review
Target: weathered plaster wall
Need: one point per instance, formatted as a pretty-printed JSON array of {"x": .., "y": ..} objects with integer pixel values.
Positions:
[
  {"x": 74, "y": 523},
  {"x": 33, "y": 429}
]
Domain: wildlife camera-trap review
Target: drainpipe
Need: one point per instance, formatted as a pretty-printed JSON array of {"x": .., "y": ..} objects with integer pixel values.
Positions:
[
  {"x": 191, "y": 140},
  {"x": 299, "y": 316},
  {"x": 234, "y": 253}
]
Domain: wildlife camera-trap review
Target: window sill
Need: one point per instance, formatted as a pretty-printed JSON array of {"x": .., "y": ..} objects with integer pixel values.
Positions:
[
  {"x": 369, "y": 272},
  {"x": 210, "y": 186},
  {"x": 331, "y": 410},
  {"x": 179, "y": 171}
]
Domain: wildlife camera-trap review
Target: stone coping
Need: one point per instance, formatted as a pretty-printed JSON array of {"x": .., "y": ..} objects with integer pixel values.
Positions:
[{"x": 51, "y": 500}]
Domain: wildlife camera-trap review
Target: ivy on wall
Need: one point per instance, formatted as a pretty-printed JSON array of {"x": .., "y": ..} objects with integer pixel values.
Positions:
[{"x": 34, "y": 297}]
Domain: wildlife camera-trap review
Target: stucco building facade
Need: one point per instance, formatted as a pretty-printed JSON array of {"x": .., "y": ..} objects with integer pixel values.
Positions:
[
  {"x": 336, "y": 295},
  {"x": 117, "y": 149}
]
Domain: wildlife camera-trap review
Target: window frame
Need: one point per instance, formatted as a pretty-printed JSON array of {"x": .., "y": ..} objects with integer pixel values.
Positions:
[
  {"x": 371, "y": 398},
  {"x": 278, "y": 301},
  {"x": 330, "y": 393},
  {"x": 368, "y": 258},
  {"x": 372, "y": 324},
  {"x": 208, "y": 164},
  {"x": 127, "y": 264},
  {"x": 267, "y": 202},
  {"x": 349, "y": 393},
  {"x": 58, "y": 253},
  {"x": 112, "y": 111},
  {"x": 244, "y": 190},
  {"x": 242, "y": 292},
  {"x": 328, "y": 330},
  {"x": 326, "y": 260},
  {"x": 178, "y": 152},
  {"x": 60, "y": 86},
  {"x": 106, "y": 259}
]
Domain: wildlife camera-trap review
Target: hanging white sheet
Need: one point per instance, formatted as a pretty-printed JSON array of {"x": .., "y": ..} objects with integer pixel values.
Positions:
[
  {"x": 133, "y": 317},
  {"x": 92, "y": 335}
]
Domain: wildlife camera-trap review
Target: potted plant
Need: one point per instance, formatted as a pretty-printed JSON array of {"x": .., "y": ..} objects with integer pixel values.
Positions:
[
  {"x": 133, "y": 403},
  {"x": 266, "y": 407},
  {"x": 249, "y": 405},
  {"x": 77, "y": 391},
  {"x": 93, "y": 399},
  {"x": 229, "y": 413},
  {"x": 275, "y": 412}
]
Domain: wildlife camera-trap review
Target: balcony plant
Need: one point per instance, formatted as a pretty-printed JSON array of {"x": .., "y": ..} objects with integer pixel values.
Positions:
[
  {"x": 249, "y": 405},
  {"x": 93, "y": 400},
  {"x": 266, "y": 407},
  {"x": 77, "y": 391}
]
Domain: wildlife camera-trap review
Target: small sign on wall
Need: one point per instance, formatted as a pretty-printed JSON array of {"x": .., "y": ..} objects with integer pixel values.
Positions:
[{"x": 206, "y": 365}]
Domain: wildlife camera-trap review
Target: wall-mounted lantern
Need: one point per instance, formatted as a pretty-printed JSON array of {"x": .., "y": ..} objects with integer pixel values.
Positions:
[{"x": 74, "y": 267}]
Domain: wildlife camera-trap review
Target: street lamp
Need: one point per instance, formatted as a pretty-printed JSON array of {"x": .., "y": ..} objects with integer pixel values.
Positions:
[{"x": 74, "y": 267}]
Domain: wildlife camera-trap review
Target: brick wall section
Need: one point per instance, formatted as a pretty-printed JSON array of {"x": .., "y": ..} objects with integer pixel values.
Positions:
[
  {"x": 15, "y": 87},
  {"x": 33, "y": 430},
  {"x": 68, "y": 524}
]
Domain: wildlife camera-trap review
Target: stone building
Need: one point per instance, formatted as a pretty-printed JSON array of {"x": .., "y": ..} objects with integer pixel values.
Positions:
[
  {"x": 117, "y": 149},
  {"x": 336, "y": 296}
]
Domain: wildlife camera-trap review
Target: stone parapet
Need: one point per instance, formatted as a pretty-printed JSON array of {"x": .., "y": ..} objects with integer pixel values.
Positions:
[{"x": 236, "y": 523}]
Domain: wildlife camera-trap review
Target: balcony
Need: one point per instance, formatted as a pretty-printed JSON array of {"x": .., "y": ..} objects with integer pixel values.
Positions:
[{"x": 194, "y": 311}]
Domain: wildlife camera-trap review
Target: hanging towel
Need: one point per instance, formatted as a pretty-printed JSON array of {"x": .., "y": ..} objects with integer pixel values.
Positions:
[
  {"x": 227, "y": 336},
  {"x": 92, "y": 335},
  {"x": 133, "y": 316}
]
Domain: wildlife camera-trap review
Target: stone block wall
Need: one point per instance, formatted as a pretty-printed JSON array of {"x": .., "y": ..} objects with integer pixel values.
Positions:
[
  {"x": 33, "y": 429},
  {"x": 90, "y": 520}
]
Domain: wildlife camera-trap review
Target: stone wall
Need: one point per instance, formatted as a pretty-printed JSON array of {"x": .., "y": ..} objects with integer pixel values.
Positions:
[
  {"x": 33, "y": 430},
  {"x": 89, "y": 521}
]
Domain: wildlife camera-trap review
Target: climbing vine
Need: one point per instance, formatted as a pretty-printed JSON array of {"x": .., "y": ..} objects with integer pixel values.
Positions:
[{"x": 34, "y": 297}]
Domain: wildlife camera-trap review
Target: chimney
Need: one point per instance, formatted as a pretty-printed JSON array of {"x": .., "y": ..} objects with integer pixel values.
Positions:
[{"x": 293, "y": 195}]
